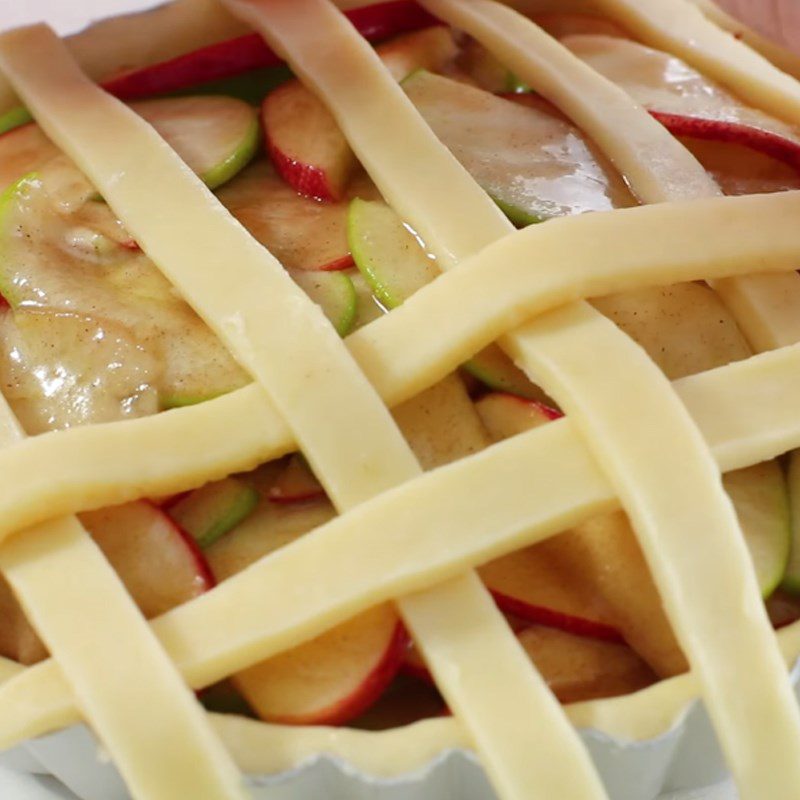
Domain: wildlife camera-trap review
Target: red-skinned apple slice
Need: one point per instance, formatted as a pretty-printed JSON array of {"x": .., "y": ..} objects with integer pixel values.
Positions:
[
  {"x": 577, "y": 668},
  {"x": 741, "y": 170},
  {"x": 306, "y": 145},
  {"x": 159, "y": 564},
  {"x": 234, "y": 56},
  {"x": 684, "y": 100},
  {"x": 296, "y": 483},
  {"x": 506, "y": 414},
  {"x": 536, "y": 586},
  {"x": 330, "y": 679},
  {"x": 301, "y": 233},
  {"x": 333, "y": 678}
]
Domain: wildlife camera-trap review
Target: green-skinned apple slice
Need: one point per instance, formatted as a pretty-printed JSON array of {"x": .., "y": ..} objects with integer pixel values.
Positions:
[
  {"x": 791, "y": 579},
  {"x": 46, "y": 264},
  {"x": 301, "y": 233},
  {"x": 536, "y": 165},
  {"x": 306, "y": 145},
  {"x": 394, "y": 263},
  {"x": 333, "y": 292},
  {"x": 216, "y": 136},
  {"x": 215, "y": 509}
]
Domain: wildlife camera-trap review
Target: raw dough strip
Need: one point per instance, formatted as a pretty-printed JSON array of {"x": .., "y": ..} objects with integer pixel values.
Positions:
[
  {"x": 284, "y": 340},
  {"x": 783, "y": 58},
  {"x": 655, "y": 164},
  {"x": 665, "y": 247},
  {"x": 498, "y": 289},
  {"x": 679, "y": 27},
  {"x": 61, "y": 579},
  {"x": 383, "y": 136},
  {"x": 259, "y": 747},
  {"x": 233, "y": 283},
  {"x": 59, "y": 576},
  {"x": 748, "y": 410},
  {"x": 112, "y": 463}
]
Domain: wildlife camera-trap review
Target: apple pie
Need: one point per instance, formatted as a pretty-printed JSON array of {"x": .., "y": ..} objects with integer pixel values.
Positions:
[{"x": 382, "y": 379}]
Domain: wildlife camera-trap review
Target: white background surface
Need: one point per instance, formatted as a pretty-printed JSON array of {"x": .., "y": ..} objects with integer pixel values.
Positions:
[{"x": 68, "y": 15}]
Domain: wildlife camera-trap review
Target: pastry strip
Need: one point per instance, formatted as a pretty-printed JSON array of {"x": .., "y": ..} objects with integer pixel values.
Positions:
[
  {"x": 239, "y": 431},
  {"x": 745, "y": 665},
  {"x": 283, "y": 339}
]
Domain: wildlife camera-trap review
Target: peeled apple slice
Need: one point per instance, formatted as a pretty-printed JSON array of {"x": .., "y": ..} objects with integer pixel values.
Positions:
[
  {"x": 534, "y": 164},
  {"x": 394, "y": 263},
  {"x": 687, "y": 102},
  {"x": 216, "y": 136}
]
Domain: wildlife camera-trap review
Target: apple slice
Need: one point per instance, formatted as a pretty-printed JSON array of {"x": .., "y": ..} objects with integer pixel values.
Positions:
[
  {"x": 441, "y": 424},
  {"x": 536, "y": 586},
  {"x": 577, "y": 668},
  {"x": 331, "y": 679},
  {"x": 534, "y": 164},
  {"x": 18, "y": 639},
  {"x": 269, "y": 527},
  {"x": 480, "y": 68},
  {"x": 327, "y": 680},
  {"x": 296, "y": 483},
  {"x": 159, "y": 564},
  {"x": 684, "y": 100},
  {"x": 506, "y": 415},
  {"x": 215, "y": 136},
  {"x": 306, "y": 145},
  {"x": 300, "y": 233},
  {"x": 741, "y": 170},
  {"x": 333, "y": 292},
  {"x": 232, "y": 57},
  {"x": 213, "y": 510},
  {"x": 791, "y": 578},
  {"x": 392, "y": 260}
]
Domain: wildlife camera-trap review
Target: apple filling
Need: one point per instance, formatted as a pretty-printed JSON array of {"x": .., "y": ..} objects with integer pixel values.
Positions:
[{"x": 93, "y": 332}]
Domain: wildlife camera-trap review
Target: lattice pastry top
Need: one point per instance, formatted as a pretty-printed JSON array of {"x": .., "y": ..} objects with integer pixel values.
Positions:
[{"x": 446, "y": 155}]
